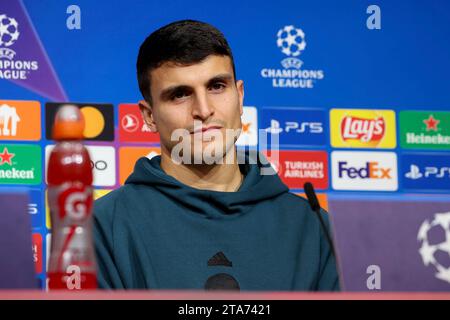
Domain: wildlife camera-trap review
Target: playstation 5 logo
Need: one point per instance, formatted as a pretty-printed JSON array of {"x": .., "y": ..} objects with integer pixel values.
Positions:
[
  {"x": 435, "y": 172},
  {"x": 298, "y": 127},
  {"x": 414, "y": 173}
]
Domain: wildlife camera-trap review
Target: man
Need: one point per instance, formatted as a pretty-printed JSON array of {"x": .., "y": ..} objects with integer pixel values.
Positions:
[{"x": 194, "y": 217}]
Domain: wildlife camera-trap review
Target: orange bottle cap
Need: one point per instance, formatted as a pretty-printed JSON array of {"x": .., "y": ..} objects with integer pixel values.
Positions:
[{"x": 69, "y": 123}]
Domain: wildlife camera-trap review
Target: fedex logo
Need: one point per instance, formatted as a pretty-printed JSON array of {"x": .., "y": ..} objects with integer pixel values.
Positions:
[
  {"x": 364, "y": 171},
  {"x": 371, "y": 170}
]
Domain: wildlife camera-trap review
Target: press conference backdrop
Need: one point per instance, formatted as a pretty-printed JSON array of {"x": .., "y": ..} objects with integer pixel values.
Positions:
[{"x": 357, "y": 92}]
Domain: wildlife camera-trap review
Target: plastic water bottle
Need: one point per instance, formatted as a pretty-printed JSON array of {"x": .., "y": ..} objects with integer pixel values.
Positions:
[{"x": 72, "y": 263}]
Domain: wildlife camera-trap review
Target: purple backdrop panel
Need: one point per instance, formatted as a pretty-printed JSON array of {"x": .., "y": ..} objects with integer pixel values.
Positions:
[
  {"x": 16, "y": 264},
  {"x": 408, "y": 240}
]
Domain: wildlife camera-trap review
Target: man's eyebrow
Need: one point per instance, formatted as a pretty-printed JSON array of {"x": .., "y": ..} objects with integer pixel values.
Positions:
[
  {"x": 166, "y": 93},
  {"x": 225, "y": 77}
]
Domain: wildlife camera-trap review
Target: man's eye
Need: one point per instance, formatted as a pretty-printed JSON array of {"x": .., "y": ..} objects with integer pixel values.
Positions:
[
  {"x": 217, "y": 86},
  {"x": 178, "y": 95}
]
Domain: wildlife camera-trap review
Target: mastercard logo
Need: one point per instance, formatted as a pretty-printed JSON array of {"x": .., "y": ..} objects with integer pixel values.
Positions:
[{"x": 99, "y": 120}]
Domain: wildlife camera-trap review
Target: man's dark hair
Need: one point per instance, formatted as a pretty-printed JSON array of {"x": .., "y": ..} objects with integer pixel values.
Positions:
[{"x": 184, "y": 42}]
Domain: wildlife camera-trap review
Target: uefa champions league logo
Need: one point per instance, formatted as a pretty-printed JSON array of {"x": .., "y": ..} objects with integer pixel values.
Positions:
[
  {"x": 291, "y": 41},
  {"x": 430, "y": 249},
  {"x": 9, "y": 33}
]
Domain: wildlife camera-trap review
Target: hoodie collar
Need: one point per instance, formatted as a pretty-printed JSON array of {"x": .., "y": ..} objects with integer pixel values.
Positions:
[{"x": 254, "y": 188}]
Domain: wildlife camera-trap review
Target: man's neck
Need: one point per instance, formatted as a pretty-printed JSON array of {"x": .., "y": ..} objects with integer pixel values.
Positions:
[{"x": 216, "y": 177}]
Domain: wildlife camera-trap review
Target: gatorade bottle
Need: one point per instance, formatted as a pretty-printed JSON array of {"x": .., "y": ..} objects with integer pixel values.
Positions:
[{"x": 69, "y": 176}]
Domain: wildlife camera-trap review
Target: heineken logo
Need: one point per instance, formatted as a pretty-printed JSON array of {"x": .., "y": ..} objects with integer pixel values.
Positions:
[
  {"x": 431, "y": 123},
  {"x": 20, "y": 164},
  {"x": 425, "y": 130},
  {"x": 6, "y": 157}
]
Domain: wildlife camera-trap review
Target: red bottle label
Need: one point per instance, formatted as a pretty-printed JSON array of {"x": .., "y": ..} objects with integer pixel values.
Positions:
[
  {"x": 74, "y": 279},
  {"x": 75, "y": 202}
]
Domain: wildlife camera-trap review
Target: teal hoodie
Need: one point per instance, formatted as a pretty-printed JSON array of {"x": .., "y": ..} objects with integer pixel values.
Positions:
[{"x": 158, "y": 233}]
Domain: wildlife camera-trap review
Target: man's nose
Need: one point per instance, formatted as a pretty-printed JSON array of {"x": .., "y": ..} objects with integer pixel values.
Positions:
[{"x": 202, "y": 108}]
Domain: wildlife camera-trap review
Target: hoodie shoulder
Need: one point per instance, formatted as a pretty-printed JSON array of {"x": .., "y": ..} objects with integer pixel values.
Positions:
[
  {"x": 104, "y": 206},
  {"x": 297, "y": 200}
]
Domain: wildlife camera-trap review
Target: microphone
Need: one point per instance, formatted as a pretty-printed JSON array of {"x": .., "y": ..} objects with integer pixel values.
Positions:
[{"x": 315, "y": 206}]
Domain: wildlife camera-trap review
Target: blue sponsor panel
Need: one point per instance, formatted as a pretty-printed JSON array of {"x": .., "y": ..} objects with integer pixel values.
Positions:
[
  {"x": 426, "y": 171},
  {"x": 36, "y": 208},
  {"x": 295, "y": 127}
]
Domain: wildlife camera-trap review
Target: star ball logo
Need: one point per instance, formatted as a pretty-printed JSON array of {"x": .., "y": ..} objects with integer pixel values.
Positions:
[
  {"x": 99, "y": 120},
  {"x": 9, "y": 30},
  {"x": 292, "y": 42},
  {"x": 433, "y": 247},
  {"x": 425, "y": 130},
  {"x": 359, "y": 128},
  {"x": 11, "y": 68}
]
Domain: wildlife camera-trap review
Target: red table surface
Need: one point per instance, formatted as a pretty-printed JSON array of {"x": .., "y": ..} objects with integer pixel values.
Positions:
[{"x": 203, "y": 295}]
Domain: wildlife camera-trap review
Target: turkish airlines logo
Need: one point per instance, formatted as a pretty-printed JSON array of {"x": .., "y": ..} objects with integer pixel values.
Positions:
[
  {"x": 130, "y": 123},
  {"x": 37, "y": 252},
  {"x": 297, "y": 167},
  {"x": 132, "y": 127},
  {"x": 364, "y": 130}
]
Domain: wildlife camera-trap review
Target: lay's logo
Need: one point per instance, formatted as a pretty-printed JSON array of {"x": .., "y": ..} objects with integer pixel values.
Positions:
[{"x": 363, "y": 128}]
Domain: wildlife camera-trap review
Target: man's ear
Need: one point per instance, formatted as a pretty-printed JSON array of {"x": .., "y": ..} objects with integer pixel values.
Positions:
[
  {"x": 240, "y": 88},
  {"x": 147, "y": 115}
]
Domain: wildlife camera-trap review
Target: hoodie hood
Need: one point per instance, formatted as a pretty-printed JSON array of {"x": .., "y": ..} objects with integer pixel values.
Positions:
[{"x": 254, "y": 189}]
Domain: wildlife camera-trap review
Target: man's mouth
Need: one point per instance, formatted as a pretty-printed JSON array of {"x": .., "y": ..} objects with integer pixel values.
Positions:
[{"x": 204, "y": 129}]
